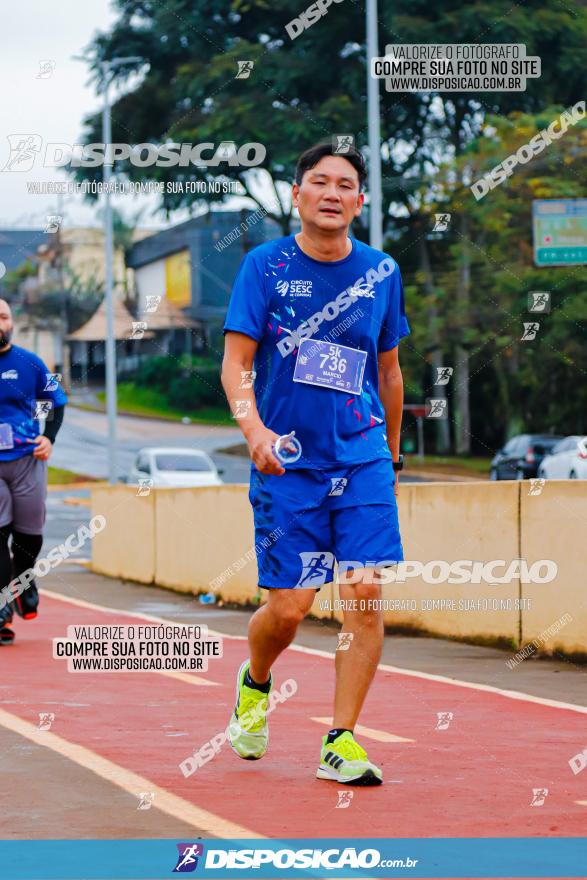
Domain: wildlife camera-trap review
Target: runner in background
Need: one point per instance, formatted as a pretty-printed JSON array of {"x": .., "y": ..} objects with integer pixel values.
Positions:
[{"x": 29, "y": 394}]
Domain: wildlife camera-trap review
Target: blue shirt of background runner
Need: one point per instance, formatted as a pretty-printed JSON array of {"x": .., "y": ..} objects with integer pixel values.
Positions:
[
  {"x": 24, "y": 379},
  {"x": 277, "y": 289}
]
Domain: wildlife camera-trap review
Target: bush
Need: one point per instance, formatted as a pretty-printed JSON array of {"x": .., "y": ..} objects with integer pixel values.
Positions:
[{"x": 189, "y": 384}]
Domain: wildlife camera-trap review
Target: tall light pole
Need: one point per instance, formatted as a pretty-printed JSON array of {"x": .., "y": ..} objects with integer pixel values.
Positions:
[
  {"x": 106, "y": 69},
  {"x": 375, "y": 213}
]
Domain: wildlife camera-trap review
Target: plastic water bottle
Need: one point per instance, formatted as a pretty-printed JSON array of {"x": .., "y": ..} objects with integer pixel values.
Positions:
[{"x": 287, "y": 448}]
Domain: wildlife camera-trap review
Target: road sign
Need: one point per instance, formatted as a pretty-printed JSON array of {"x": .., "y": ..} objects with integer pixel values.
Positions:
[{"x": 560, "y": 232}]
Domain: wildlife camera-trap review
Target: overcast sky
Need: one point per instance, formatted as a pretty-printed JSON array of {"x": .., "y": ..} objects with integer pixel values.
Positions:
[{"x": 53, "y": 107}]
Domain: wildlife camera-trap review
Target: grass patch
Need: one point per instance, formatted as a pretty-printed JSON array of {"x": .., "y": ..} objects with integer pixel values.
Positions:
[
  {"x": 141, "y": 401},
  {"x": 61, "y": 477},
  {"x": 450, "y": 464}
]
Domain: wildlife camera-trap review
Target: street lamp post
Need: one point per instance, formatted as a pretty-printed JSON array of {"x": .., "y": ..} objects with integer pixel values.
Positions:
[
  {"x": 375, "y": 213},
  {"x": 106, "y": 69},
  {"x": 108, "y": 278}
]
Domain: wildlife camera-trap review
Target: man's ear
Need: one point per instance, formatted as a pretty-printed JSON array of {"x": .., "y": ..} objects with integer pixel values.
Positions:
[{"x": 295, "y": 190}]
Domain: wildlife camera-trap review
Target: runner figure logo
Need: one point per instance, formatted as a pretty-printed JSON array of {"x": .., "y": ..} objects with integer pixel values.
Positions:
[
  {"x": 46, "y": 719},
  {"x": 436, "y": 408},
  {"x": 539, "y": 301},
  {"x": 344, "y": 641},
  {"x": 338, "y": 485},
  {"x": 138, "y": 329},
  {"x": 53, "y": 223},
  {"x": 444, "y": 719},
  {"x": 244, "y": 69},
  {"x": 187, "y": 861},
  {"x": 443, "y": 375},
  {"x": 536, "y": 486},
  {"x": 539, "y": 795},
  {"x": 42, "y": 409},
  {"x": 146, "y": 799},
  {"x": 247, "y": 378},
  {"x": 316, "y": 568},
  {"x": 343, "y": 143},
  {"x": 344, "y": 799},
  {"x": 53, "y": 380},
  {"x": 530, "y": 331},
  {"x": 441, "y": 222}
]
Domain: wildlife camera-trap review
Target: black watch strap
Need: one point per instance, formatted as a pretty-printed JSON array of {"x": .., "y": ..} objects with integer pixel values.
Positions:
[{"x": 398, "y": 465}]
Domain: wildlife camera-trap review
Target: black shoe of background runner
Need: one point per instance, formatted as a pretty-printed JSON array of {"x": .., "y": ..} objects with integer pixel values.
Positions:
[
  {"x": 6, "y": 614},
  {"x": 27, "y": 603},
  {"x": 6, "y": 635}
]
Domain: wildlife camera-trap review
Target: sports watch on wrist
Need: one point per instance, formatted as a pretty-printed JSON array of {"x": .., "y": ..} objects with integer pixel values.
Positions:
[{"x": 398, "y": 465}]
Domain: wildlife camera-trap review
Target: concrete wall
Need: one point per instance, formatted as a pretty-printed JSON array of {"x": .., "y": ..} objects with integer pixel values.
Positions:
[
  {"x": 192, "y": 540},
  {"x": 553, "y": 526},
  {"x": 448, "y": 521}
]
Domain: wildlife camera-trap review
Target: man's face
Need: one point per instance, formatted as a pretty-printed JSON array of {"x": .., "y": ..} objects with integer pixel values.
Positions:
[
  {"x": 328, "y": 196},
  {"x": 6, "y": 326}
]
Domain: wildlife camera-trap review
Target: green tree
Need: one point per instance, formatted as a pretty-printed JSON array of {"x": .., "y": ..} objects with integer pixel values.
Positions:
[
  {"x": 307, "y": 89},
  {"x": 517, "y": 385}
]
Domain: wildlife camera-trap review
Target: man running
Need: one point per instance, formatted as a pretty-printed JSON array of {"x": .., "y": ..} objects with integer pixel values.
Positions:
[
  {"x": 27, "y": 390},
  {"x": 320, "y": 315}
]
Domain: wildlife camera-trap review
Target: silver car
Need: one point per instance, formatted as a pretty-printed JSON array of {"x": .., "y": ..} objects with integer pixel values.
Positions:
[
  {"x": 567, "y": 461},
  {"x": 173, "y": 467}
]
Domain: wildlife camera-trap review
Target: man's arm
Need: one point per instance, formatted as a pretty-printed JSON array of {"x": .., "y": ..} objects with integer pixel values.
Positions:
[
  {"x": 52, "y": 427},
  {"x": 391, "y": 393},
  {"x": 44, "y": 442},
  {"x": 239, "y": 354}
]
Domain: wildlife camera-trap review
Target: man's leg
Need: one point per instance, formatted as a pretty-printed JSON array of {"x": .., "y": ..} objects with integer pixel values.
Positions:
[
  {"x": 6, "y": 634},
  {"x": 28, "y": 485},
  {"x": 273, "y": 627},
  {"x": 25, "y": 550},
  {"x": 356, "y": 667},
  {"x": 342, "y": 759}
]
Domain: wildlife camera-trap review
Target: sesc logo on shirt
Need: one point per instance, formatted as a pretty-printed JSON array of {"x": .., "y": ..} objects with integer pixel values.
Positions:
[
  {"x": 295, "y": 287},
  {"x": 10, "y": 374}
]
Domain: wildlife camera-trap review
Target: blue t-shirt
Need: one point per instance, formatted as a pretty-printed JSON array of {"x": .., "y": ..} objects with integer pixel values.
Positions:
[
  {"x": 281, "y": 296},
  {"x": 24, "y": 380}
]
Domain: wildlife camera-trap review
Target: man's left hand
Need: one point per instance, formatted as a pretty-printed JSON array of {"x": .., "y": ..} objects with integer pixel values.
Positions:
[{"x": 44, "y": 447}]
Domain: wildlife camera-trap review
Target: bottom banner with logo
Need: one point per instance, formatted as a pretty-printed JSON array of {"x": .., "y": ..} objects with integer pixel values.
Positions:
[{"x": 377, "y": 858}]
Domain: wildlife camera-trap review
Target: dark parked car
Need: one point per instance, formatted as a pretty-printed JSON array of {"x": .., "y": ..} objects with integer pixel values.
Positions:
[{"x": 521, "y": 456}]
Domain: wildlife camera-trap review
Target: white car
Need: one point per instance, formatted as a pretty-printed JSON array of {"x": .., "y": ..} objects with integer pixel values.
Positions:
[
  {"x": 567, "y": 461},
  {"x": 173, "y": 467}
]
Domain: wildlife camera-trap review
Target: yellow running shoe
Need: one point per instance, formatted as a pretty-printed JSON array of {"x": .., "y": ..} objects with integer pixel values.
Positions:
[
  {"x": 344, "y": 760},
  {"x": 248, "y": 731}
]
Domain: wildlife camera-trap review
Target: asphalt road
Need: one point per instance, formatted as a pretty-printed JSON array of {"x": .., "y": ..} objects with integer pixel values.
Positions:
[{"x": 82, "y": 444}]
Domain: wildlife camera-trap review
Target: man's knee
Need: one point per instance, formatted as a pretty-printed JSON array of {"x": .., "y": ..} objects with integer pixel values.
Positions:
[
  {"x": 366, "y": 607},
  {"x": 289, "y": 611}
]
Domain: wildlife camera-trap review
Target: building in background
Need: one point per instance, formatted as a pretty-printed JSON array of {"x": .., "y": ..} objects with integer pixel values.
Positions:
[
  {"x": 193, "y": 264},
  {"x": 17, "y": 247},
  {"x": 171, "y": 290},
  {"x": 160, "y": 330}
]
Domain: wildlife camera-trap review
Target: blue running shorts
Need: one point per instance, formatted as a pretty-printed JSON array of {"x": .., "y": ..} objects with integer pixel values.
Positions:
[{"x": 308, "y": 518}]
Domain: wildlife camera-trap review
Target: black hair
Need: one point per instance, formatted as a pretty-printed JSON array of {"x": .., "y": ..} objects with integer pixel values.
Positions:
[{"x": 311, "y": 157}]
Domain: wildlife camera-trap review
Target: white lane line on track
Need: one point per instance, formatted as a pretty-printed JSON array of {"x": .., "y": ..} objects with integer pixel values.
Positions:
[
  {"x": 176, "y": 807},
  {"x": 397, "y": 670}
]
